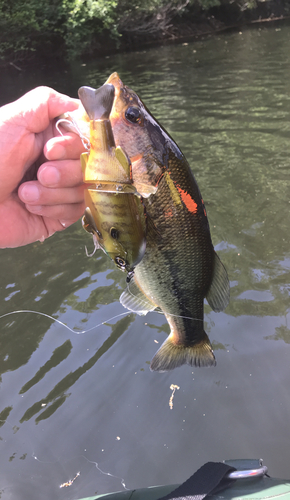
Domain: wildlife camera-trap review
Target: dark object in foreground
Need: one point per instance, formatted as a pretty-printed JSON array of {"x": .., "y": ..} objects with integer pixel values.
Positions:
[{"x": 233, "y": 479}]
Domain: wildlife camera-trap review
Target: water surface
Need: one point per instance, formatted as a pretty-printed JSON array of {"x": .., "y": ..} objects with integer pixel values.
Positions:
[{"x": 88, "y": 402}]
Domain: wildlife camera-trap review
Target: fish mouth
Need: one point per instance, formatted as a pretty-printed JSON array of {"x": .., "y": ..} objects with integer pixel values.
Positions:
[
  {"x": 115, "y": 80},
  {"x": 98, "y": 103}
]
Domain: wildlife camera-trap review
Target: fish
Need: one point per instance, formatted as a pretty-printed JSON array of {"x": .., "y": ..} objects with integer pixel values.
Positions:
[
  {"x": 179, "y": 268},
  {"x": 114, "y": 212}
]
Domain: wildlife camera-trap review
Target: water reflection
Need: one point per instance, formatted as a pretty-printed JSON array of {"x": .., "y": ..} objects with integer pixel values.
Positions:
[
  {"x": 65, "y": 397},
  {"x": 58, "y": 394},
  {"x": 58, "y": 355}
]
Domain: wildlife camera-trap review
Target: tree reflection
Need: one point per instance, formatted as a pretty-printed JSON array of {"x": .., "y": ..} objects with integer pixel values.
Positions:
[
  {"x": 58, "y": 395},
  {"x": 58, "y": 355},
  {"x": 282, "y": 333}
]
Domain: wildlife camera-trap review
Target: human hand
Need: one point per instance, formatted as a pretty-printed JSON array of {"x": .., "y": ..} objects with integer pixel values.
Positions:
[{"x": 34, "y": 210}]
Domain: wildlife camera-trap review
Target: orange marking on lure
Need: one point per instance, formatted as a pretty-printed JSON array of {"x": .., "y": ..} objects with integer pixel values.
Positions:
[
  {"x": 187, "y": 200},
  {"x": 136, "y": 157}
]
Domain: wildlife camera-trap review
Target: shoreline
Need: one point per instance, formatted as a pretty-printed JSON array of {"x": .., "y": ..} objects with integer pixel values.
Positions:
[{"x": 204, "y": 24}]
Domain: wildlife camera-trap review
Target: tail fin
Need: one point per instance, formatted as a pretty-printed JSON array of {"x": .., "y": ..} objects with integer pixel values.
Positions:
[{"x": 171, "y": 355}]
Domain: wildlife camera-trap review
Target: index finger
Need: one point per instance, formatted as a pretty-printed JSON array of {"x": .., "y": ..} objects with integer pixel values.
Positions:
[
  {"x": 64, "y": 147},
  {"x": 37, "y": 108}
]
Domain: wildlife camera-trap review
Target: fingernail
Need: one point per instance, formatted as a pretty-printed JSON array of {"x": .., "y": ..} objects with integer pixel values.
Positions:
[
  {"x": 55, "y": 152},
  {"x": 29, "y": 193},
  {"x": 65, "y": 223},
  {"x": 49, "y": 176}
]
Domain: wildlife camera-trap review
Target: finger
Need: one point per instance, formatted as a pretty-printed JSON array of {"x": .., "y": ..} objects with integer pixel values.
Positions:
[
  {"x": 33, "y": 193},
  {"x": 64, "y": 147},
  {"x": 53, "y": 225},
  {"x": 60, "y": 174},
  {"x": 37, "y": 108},
  {"x": 68, "y": 214}
]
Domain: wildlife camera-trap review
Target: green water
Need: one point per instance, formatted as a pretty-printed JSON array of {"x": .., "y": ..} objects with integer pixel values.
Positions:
[{"x": 88, "y": 402}]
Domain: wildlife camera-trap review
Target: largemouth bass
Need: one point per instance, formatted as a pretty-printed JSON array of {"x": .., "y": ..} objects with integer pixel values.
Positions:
[
  {"x": 114, "y": 212},
  {"x": 180, "y": 267}
]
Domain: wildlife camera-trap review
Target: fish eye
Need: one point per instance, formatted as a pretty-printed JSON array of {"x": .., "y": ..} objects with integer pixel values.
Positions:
[
  {"x": 133, "y": 114},
  {"x": 120, "y": 262},
  {"x": 114, "y": 233}
]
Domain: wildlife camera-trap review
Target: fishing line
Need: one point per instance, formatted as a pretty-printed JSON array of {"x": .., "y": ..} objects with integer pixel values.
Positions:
[
  {"x": 69, "y": 483},
  {"x": 161, "y": 311},
  {"x": 63, "y": 324},
  {"x": 73, "y": 123},
  {"x": 20, "y": 311},
  {"x": 177, "y": 315},
  {"x": 106, "y": 473}
]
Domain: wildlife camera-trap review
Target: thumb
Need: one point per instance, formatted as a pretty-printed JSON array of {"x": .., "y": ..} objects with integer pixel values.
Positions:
[{"x": 37, "y": 108}]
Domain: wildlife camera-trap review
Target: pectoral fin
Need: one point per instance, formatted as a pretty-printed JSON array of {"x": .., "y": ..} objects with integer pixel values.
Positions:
[
  {"x": 145, "y": 190},
  {"x": 218, "y": 295},
  {"x": 135, "y": 300},
  {"x": 123, "y": 159}
]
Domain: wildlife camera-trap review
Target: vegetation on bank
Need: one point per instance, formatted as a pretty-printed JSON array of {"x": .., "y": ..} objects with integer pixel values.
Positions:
[{"x": 77, "y": 28}]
